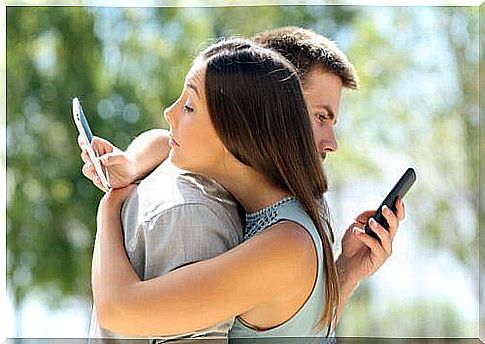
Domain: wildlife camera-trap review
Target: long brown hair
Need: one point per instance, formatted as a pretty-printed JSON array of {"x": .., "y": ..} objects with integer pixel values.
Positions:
[{"x": 256, "y": 105}]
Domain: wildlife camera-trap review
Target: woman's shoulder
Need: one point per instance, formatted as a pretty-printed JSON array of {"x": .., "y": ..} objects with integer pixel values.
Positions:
[
  {"x": 288, "y": 234},
  {"x": 284, "y": 259},
  {"x": 285, "y": 247}
]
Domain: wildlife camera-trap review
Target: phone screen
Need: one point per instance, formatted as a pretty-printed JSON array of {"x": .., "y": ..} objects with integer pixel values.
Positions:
[{"x": 84, "y": 123}]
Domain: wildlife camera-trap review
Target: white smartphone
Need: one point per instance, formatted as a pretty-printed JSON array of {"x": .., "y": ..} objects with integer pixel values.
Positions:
[{"x": 85, "y": 132}]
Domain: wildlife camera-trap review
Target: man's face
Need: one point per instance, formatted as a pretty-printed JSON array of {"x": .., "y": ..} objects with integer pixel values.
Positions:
[{"x": 322, "y": 92}]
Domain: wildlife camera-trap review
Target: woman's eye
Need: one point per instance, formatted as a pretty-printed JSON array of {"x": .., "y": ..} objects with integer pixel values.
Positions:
[{"x": 188, "y": 108}]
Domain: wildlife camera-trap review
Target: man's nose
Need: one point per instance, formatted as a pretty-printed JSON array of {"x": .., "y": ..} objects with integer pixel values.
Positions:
[{"x": 328, "y": 143}]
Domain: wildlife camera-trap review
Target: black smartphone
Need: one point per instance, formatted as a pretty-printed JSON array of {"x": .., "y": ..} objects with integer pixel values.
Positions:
[{"x": 399, "y": 190}]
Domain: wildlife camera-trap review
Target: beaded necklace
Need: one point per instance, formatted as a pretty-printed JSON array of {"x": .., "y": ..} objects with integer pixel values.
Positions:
[{"x": 263, "y": 218}]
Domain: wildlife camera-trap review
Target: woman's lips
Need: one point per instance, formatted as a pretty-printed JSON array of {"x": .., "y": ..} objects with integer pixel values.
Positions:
[{"x": 173, "y": 143}]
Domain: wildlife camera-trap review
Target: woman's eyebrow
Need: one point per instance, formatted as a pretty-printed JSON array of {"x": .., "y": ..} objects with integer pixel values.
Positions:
[{"x": 192, "y": 86}]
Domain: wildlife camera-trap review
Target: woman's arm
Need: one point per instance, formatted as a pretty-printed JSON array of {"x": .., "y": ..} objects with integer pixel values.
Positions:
[
  {"x": 148, "y": 150},
  {"x": 274, "y": 265}
]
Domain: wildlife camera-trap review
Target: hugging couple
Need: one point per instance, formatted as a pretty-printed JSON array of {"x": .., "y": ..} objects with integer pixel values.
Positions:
[{"x": 228, "y": 232}]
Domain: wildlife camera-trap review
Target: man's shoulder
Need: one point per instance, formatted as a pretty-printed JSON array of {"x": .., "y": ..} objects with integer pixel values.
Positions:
[{"x": 168, "y": 189}]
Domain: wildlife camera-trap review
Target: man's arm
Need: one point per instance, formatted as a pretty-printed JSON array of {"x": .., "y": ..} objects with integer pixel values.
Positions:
[{"x": 362, "y": 255}]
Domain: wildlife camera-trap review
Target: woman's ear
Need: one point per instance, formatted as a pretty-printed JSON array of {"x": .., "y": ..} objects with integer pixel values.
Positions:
[{"x": 224, "y": 149}]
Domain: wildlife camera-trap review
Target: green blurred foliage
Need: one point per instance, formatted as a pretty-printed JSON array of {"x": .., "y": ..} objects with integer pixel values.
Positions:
[
  {"x": 481, "y": 148},
  {"x": 127, "y": 64}
]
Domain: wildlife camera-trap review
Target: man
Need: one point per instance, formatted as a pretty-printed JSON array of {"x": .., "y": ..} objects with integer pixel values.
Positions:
[{"x": 324, "y": 71}]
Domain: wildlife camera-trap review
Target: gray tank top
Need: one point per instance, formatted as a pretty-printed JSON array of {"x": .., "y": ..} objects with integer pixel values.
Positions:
[{"x": 303, "y": 323}]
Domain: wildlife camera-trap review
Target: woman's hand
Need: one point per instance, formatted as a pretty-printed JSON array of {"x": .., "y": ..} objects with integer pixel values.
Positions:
[{"x": 120, "y": 168}]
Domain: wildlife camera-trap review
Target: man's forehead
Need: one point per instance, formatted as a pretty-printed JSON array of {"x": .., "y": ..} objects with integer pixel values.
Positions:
[{"x": 323, "y": 89}]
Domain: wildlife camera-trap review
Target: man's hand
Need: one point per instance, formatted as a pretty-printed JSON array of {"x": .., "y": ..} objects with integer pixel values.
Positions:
[
  {"x": 118, "y": 165},
  {"x": 362, "y": 255}
]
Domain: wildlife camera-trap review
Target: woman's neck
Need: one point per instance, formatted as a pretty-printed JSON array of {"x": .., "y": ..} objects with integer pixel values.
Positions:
[{"x": 252, "y": 189}]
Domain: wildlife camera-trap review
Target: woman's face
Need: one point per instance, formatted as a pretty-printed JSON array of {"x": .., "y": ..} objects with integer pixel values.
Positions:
[{"x": 195, "y": 145}]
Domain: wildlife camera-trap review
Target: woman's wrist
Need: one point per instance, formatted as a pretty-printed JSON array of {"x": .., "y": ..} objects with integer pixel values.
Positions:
[{"x": 110, "y": 202}]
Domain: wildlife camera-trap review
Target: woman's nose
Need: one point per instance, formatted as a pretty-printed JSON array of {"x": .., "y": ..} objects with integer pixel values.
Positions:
[{"x": 168, "y": 113}]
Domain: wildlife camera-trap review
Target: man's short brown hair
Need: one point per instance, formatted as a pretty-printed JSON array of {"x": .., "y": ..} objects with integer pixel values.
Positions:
[{"x": 306, "y": 49}]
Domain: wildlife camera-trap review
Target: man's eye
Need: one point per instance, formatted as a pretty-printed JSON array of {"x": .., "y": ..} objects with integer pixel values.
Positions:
[
  {"x": 321, "y": 116},
  {"x": 188, "y": 109}
]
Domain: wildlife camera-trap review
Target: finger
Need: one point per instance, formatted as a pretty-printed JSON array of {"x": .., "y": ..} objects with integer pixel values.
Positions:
[
  {"x": 383, "y": 235},
  {"x": 90, "y": 173},
  {"x": 85, "y": 157},
  {"x": 111, "y": 159},
  {"x": 101, "y": 146},
  {"x": 364, "y": 216},
  {"x": 357, "y": 225},
  {"x": 353, "y": 226},
  {"x": 372, "y": 243},
  {"x": 391, "y": 219}
]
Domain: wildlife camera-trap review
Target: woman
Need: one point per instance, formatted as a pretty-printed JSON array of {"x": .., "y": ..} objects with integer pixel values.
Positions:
[{"x": 241, "y": 120}]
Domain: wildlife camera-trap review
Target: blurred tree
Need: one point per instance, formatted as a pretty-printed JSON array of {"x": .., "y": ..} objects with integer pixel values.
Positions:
[
  {"x": 125, "y": 65},
  {"x": 417, "y": 103},
  {"x": 482, "y": 172},
  {"x": 50, "y": 208}
]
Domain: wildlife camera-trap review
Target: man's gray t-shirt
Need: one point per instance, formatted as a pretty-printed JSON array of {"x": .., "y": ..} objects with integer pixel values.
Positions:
[{"x": 174, "y": 218}]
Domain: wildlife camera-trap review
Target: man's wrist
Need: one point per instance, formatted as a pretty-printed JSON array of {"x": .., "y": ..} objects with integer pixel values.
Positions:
[{"x": 348, "y": 282}]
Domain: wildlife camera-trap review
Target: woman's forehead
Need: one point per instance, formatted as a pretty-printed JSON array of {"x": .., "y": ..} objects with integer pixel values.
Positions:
[{"x": 196, "y": 73}]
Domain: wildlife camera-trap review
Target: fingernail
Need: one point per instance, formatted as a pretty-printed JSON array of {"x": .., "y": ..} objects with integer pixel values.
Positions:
[
  {"x": 372, "y": 222},
  {"x": 385, "y": 209},
  {"x": 357, "y": 230}
]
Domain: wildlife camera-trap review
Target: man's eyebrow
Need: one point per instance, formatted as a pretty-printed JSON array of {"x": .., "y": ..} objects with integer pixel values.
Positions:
[
  {"x": 192, "y": 86},
  {"x": 329, "y": 109}
]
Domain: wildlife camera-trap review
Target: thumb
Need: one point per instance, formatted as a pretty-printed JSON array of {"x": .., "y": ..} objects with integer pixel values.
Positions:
[
  {"x": 113, "y": 158},
  {"x": 101, "y": 146}
]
